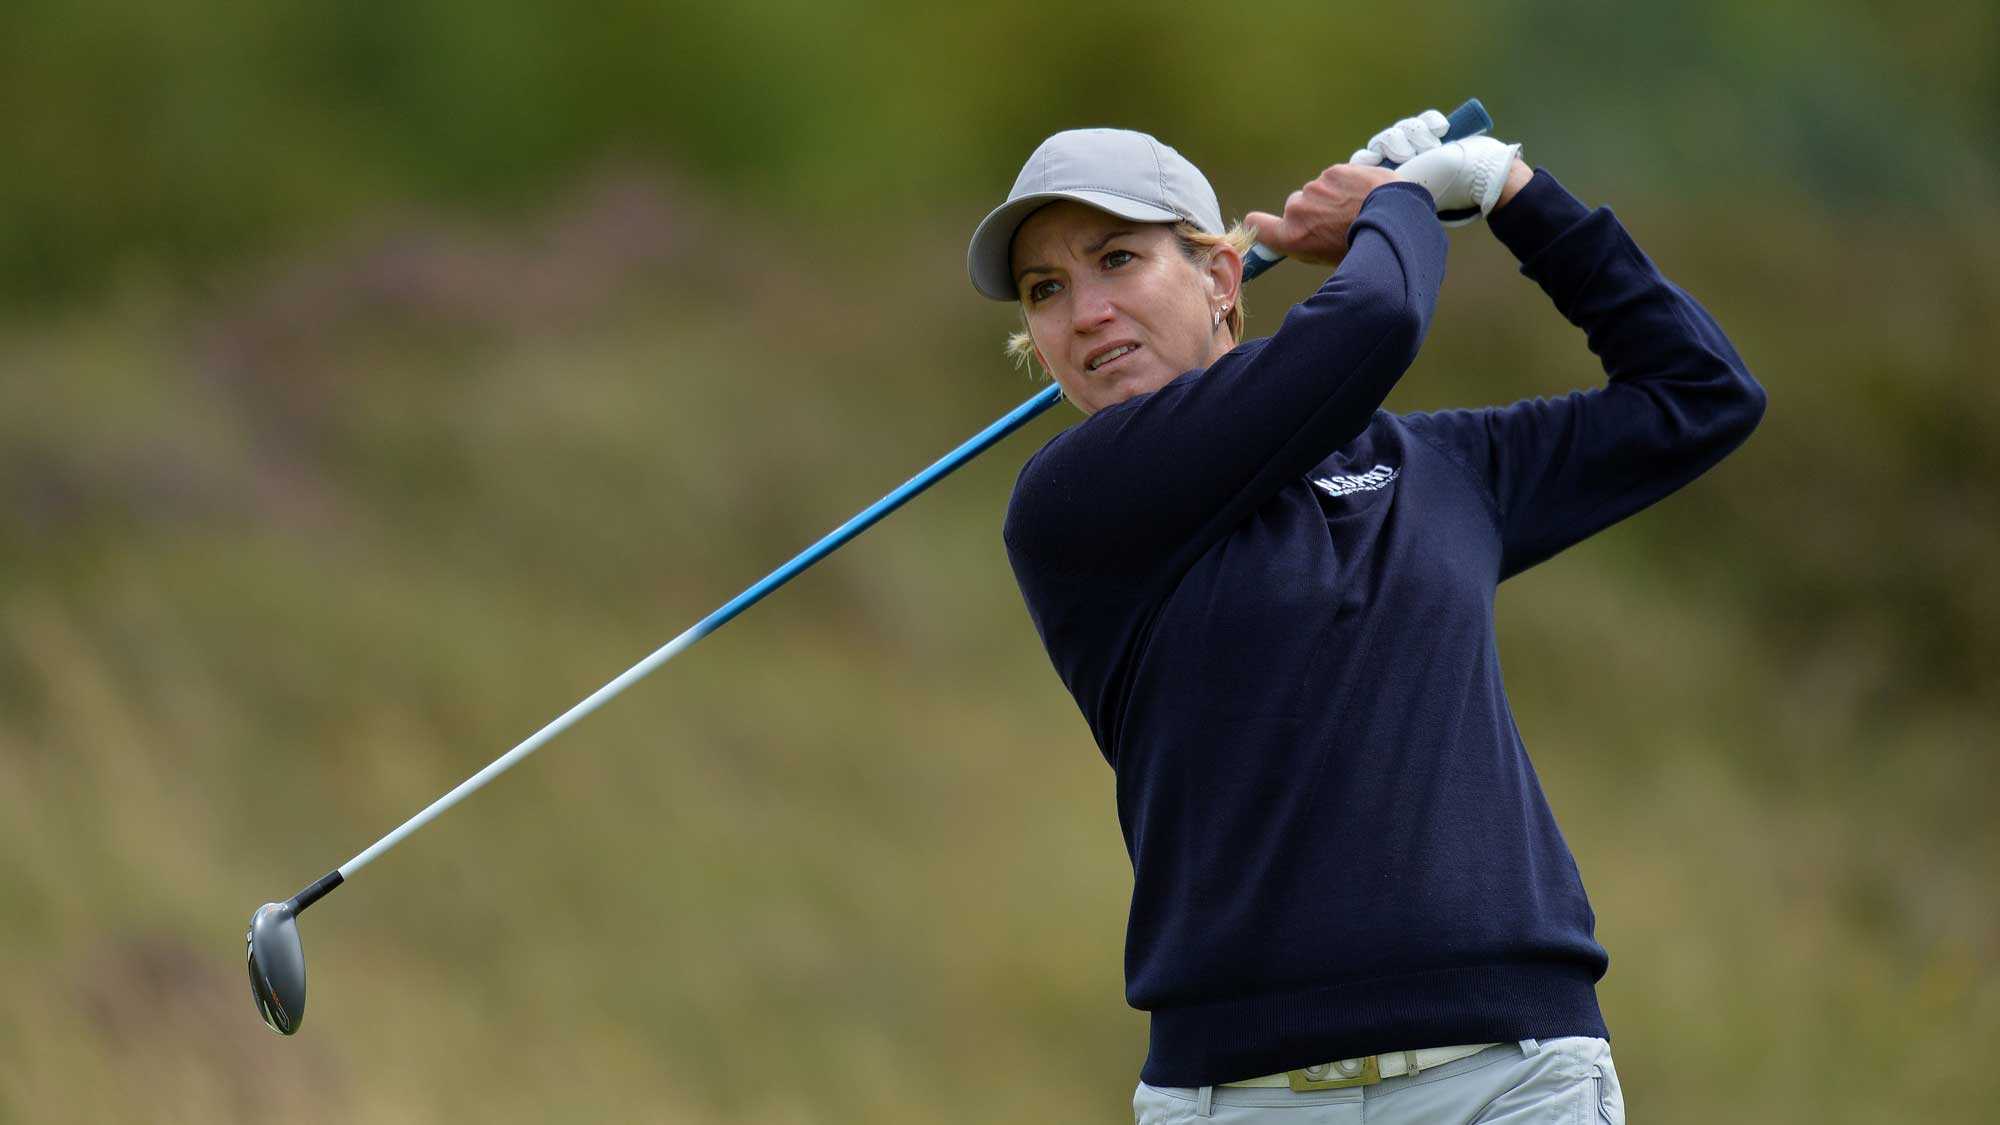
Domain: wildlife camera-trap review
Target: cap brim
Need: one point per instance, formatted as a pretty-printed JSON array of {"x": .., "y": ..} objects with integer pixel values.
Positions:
[{"x": 989, "y": 258}]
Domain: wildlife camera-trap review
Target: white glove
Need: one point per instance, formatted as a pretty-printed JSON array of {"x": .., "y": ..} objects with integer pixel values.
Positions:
[
  {"x": 1463, "y": 175},
  {"x": 1404, "y": 139}
]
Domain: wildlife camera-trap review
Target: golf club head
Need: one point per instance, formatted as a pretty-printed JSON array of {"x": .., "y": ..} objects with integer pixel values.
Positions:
[{"x": 277, "y": 966}]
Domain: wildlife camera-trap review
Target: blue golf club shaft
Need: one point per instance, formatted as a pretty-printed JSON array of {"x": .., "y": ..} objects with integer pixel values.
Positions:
[{"x": 1467, "y": 120}]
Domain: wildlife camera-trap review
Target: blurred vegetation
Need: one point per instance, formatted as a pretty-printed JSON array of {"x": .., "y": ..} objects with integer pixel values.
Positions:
[{"x": 377, "y": 380}]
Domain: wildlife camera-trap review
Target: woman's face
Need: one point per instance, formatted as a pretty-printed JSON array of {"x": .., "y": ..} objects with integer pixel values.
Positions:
[{"x": 1114, "y": 307}]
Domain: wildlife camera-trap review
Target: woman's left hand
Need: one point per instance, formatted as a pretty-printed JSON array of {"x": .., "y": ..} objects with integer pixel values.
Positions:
[
  {"x": 1411, "y": 137},
  {"x": 1401, "y": 142},
  {"x": 1465, "y": 176}
]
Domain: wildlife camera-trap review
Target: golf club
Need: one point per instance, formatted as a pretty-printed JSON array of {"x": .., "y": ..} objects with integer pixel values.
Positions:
[{"x": 277, "y": 959}]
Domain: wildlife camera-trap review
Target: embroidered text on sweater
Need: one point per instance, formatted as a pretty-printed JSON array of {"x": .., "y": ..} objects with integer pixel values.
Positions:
[{"x": 1377, "y": 477}]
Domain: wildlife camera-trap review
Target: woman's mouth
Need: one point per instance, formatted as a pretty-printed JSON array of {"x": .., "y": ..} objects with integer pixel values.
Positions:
[{"x": 1109, "y": 356}]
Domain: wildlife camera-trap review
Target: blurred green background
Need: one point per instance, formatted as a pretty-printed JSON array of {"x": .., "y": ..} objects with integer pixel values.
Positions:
[{"x": 376, "y": 380}]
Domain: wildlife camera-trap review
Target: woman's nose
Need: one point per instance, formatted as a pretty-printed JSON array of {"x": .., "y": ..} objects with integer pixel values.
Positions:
[{"x": 1090, "y": 308}]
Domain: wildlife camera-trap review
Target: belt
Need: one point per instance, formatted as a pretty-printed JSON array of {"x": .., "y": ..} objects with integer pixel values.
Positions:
[{"x": 1365, "y": 1071}]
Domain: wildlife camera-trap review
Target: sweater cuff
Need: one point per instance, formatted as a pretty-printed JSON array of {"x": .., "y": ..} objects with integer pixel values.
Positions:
[
  {"x": 1540, "y": 211},
  {"x": 1385, "y": 195}
]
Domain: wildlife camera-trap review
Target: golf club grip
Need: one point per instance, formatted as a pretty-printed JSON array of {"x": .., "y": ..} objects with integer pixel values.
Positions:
[{"x": 1468, "y": 120}]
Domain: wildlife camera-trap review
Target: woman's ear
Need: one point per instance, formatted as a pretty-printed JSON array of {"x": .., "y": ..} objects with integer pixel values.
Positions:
[{"x": 1225, "y": 273}]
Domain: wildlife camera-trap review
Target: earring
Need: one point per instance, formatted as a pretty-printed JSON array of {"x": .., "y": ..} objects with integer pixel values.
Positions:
[{"x": 1215, "y": 319}]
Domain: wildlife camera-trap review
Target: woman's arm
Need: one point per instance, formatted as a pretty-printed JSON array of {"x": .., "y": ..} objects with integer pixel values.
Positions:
[
  {"x": 1146, "y": 485},
  {"x": 1679, "y": 398}
]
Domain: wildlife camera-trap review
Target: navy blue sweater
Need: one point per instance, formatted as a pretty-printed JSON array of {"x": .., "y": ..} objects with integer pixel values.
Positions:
[{"x": 1273, "y": 602}]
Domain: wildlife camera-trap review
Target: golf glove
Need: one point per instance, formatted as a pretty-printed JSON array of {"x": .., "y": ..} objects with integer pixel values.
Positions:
[
  {"x": 1463, "y": 176},
  {"x": 1405, "y": 139}
]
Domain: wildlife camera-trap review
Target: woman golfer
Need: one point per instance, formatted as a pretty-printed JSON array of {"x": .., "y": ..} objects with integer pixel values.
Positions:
[{"x": 1273, "y": 602}]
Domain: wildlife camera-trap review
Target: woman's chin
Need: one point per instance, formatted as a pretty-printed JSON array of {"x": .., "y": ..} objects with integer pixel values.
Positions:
[
  {"x": 1142, "y": 379},
  {"x": 1099, "y": 390}
]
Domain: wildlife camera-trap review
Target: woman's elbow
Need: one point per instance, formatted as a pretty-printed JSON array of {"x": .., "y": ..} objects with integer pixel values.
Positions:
[{"x": 1751, "y": 400}]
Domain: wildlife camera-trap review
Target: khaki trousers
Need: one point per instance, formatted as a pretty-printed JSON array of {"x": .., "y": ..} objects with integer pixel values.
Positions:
[{"x": 1551, "y": 1080}]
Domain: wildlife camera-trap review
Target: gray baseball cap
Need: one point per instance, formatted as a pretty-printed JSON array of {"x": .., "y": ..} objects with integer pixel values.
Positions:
[{"x": 1129, "y": 174}]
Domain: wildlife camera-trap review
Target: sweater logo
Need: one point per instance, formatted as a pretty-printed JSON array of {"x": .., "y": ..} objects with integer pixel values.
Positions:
[{"x": 1377, "y": 477}]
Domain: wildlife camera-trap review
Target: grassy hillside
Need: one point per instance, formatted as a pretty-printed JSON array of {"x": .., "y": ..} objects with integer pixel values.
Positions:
[
  {"x": 378, "y": 380},
  {"x": 290, "y": 557}
]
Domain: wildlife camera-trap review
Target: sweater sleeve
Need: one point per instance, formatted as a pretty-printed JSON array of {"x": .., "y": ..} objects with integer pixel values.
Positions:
[
  {"x": 1150, "y": 483},
  {"x": 1677, "y": 401}
]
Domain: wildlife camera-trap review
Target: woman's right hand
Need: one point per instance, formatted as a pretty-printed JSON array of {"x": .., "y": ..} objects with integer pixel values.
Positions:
[{"x": 1314, "y": 225}]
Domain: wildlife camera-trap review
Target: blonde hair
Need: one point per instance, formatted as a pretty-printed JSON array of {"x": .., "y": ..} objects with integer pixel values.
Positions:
[{"x": 1199, "y": 247}]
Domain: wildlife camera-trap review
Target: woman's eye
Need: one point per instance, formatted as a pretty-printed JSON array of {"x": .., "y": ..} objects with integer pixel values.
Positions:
[
  {"x": 1043, "y": 289},
  {"x": 1117, "y": 258}
]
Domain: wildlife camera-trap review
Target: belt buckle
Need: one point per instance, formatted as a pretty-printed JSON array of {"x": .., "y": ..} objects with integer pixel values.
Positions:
[{"x": 1309, "y": 1078}]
